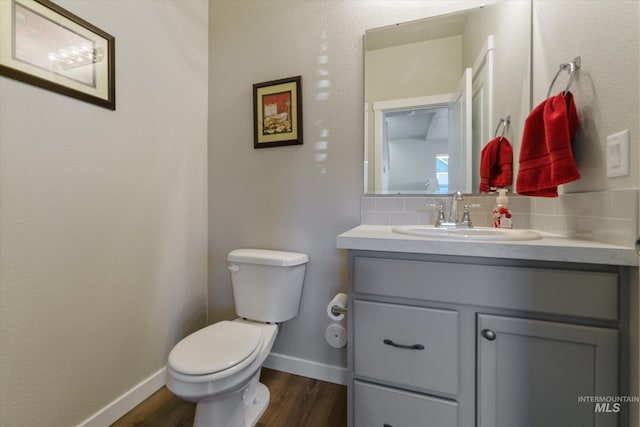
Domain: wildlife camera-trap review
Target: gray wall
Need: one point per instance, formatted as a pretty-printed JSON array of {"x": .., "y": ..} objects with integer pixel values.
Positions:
[
  {"x": 301, "y": 197},
  {"x": 606, "y": 90},
  {"x": 103, "y": 219}
]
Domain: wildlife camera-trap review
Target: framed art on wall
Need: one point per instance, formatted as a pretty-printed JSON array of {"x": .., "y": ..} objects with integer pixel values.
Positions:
[
  {"x": 277, "y": 113},
  {"x": 47, "y": 46}
]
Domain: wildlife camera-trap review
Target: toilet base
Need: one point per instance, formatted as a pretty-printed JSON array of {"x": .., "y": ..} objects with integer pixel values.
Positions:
[
  {"x": 258, "y": 405},
  {"x": 240, "y": 409}
]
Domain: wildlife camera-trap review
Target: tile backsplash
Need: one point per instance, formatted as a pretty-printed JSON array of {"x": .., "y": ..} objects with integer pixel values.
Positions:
[
  {"x": 407, "y": 210},
  {"x": 607, "y": 216},
  {"x": 610, "y": 217}
]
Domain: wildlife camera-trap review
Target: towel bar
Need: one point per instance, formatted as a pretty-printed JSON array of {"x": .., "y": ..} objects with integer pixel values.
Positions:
[
  {"x": 572, "y": 66},
  {"x": 505, "y": 121}
]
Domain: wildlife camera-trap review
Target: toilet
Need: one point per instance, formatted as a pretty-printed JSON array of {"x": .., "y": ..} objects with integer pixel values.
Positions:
[{"x": 218, "y": 367}]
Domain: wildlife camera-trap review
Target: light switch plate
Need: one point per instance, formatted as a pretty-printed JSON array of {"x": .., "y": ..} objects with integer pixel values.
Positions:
[{"x": 618, "y": 154}]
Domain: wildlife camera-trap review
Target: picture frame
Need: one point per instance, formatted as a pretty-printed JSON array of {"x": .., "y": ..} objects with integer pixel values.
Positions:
[
  {"x": 277, "y": 113},
  {"x": 47, "y": 46}
]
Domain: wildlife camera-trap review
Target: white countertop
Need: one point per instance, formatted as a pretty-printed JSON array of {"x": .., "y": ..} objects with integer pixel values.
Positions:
[{"x": 550, "y": 248}]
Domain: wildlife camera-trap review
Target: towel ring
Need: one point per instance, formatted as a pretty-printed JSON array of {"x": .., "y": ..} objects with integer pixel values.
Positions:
[
  {"x": 504, "y": 121},
  {"x": 572, "y": 66}
]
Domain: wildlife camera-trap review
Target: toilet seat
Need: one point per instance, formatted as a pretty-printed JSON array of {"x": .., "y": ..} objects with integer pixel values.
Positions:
[{"x": 217, "y": 348}]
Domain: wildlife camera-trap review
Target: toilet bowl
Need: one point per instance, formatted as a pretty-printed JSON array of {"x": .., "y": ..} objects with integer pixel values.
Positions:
[
  {"x": 226, "y": 386},
  {"x": 218, "y": 367}
]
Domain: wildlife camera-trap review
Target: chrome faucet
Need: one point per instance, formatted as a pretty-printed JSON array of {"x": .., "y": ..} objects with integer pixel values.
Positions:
[
  {"x": 453, "y": 209},
  {"x": 452, "y": 221}
]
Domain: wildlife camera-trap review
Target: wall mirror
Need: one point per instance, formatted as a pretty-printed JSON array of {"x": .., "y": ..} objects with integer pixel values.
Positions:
[{"x": 435, "y": 91}]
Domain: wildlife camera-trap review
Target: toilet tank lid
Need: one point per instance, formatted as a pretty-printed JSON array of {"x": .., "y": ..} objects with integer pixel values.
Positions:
[{"x": 268, "y": 257}]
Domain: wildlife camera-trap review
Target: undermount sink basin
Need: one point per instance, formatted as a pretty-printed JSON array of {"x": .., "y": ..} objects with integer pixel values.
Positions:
[{"x": 476, "y": 233}]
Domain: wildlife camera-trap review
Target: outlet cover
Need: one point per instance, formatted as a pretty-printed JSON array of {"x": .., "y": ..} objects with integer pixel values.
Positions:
[{"x": 618, "y": 154}]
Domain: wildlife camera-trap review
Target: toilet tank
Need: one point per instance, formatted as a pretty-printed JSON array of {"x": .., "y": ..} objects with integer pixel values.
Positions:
[{"x": 267, "y": 284}]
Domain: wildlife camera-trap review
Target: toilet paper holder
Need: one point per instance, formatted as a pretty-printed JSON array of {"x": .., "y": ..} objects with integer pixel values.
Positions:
[
  {"x": 337, "y": 307},
  {"x": 336, "y": 310}
]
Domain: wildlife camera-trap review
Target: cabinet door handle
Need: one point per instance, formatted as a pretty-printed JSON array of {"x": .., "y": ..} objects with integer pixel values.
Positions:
[
  {"x": 488, "y": 334},
  {"x": 387, "y": 425},
  {"x": 407, "y": 347}
]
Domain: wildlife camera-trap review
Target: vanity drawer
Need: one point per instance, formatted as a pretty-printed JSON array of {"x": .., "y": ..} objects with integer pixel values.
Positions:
[
  {"x": 379, "y": 330},
  {"x": 519, "y": 288},
  {"x": 381, "y": 406}
]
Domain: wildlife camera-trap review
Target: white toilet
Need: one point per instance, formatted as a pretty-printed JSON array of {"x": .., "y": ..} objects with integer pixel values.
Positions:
[{"x": 218, "y": 367}]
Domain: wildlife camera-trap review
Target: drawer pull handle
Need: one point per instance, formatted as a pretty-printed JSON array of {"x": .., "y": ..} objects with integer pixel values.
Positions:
[
  {"x": 408, "y": 347},
  {"x": 488, "y": 334},
  {"x": 387, "y": 425}
]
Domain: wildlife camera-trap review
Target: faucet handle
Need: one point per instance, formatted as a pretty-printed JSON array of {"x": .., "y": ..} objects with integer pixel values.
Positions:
[
  {"x": 440, "y": 218},
  {"x": 466, "y": 219}
]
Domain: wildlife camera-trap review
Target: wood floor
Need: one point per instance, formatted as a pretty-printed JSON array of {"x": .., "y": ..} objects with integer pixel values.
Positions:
[{"x": 295, "y": 402}]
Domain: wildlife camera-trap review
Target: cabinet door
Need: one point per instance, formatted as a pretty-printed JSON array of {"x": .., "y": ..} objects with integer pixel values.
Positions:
[{"x": 534, "y": 373}]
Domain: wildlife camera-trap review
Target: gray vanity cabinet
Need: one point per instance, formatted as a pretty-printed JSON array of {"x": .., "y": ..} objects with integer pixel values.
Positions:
[
  {"x": 531, "y": 372},
  {"x": 478, "y": 342}
]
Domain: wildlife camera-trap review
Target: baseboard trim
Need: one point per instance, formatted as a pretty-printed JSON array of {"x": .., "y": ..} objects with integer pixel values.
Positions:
[
  {"x": 132, "y": 398},
  {"x": 280, "y": 362},
  {"x": 307, "y": 368}
]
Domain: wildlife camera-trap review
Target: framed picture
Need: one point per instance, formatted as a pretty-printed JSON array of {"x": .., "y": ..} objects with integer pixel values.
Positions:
[
  {"x": 277, "y": 113},
  {"x": 47, "y": 46}
]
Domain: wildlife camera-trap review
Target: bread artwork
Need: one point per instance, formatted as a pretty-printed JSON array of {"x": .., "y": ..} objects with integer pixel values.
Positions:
[{"x": 278, "y": 123}]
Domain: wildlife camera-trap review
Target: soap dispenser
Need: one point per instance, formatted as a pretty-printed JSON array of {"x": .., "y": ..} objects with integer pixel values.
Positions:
[{"x": 501, "y": 213}]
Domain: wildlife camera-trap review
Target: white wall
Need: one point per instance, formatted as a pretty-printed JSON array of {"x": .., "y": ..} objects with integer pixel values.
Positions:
[{"x": 103, "y": 219}]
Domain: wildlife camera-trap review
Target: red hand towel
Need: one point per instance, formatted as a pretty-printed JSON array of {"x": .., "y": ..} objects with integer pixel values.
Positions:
[
  {"x": 546, "y": 159},
  {"x": 496, "y": 164}
]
